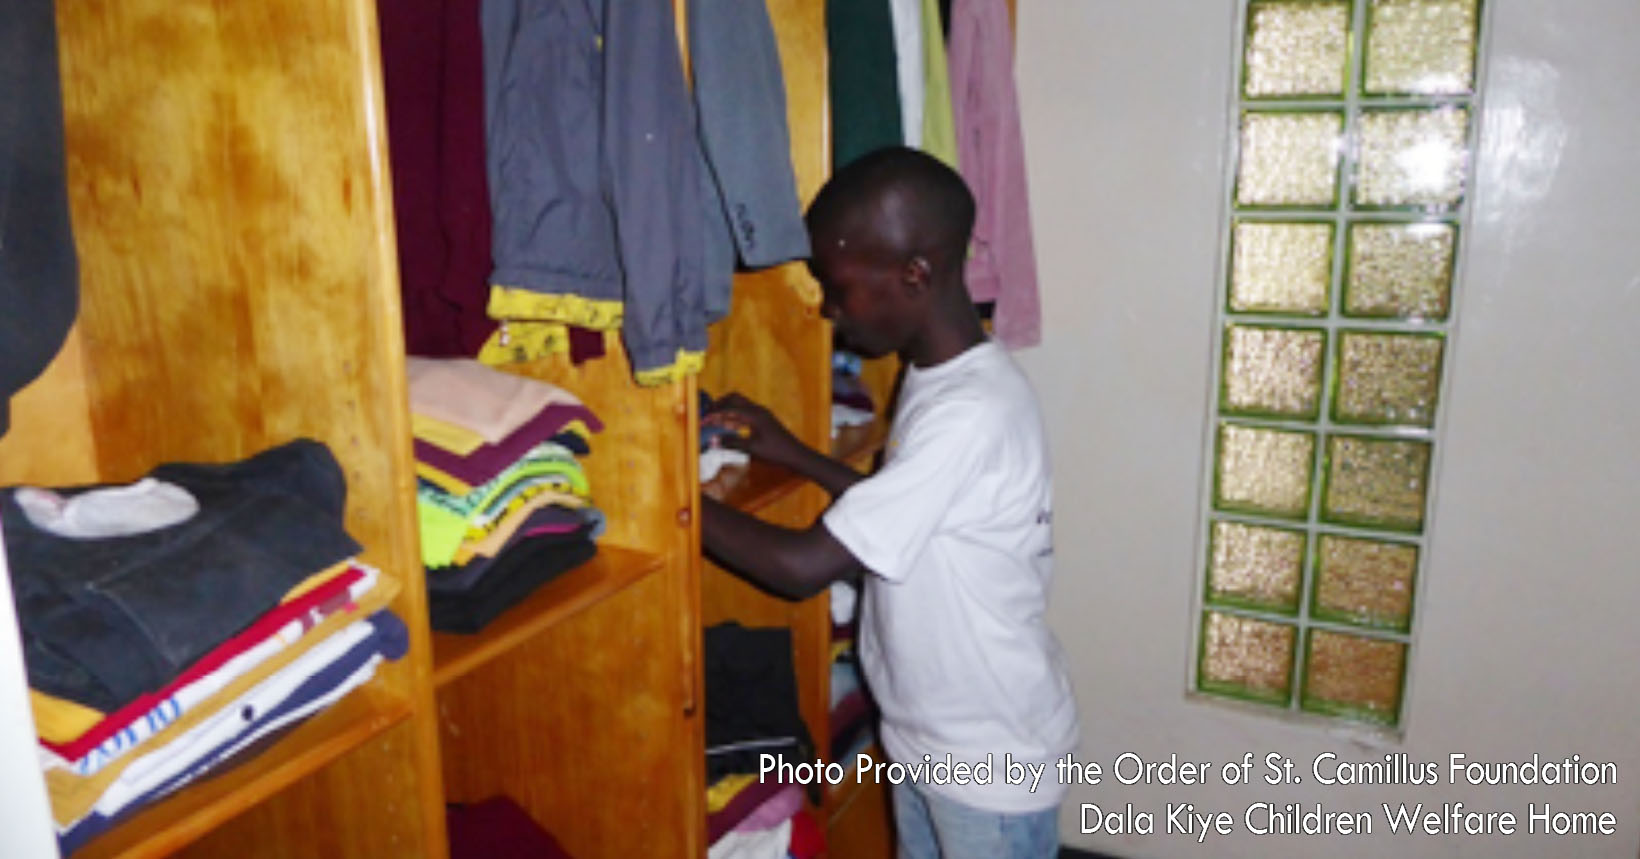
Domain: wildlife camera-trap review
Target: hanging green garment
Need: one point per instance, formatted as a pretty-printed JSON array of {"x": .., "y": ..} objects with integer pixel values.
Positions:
[
  {"x": 865, "y": 96},
  {"x": 939, "y": 137}
]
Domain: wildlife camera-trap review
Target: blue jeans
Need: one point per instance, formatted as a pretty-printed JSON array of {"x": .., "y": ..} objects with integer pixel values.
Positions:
[
  {"x": 930, "y": 826},
  {"x": 106, "y": 620}
]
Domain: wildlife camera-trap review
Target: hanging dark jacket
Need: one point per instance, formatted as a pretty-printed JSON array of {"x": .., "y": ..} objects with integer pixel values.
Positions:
[
  {"x": 39, "y": 273},
  {"x": 751, "y": 194}
]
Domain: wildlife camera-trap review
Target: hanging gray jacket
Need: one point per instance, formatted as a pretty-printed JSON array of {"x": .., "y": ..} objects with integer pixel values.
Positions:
[
  {"x": 606, "y": 211},
  {"x": 595, "y": 172},
  {"x": 751, "y": 193}
]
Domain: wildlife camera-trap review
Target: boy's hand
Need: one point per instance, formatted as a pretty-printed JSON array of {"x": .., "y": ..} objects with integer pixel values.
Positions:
[{"x": 755, "y": 430}]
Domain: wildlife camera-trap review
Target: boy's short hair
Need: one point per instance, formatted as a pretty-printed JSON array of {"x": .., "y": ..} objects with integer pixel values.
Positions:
[{"x": 931, "y": 196}]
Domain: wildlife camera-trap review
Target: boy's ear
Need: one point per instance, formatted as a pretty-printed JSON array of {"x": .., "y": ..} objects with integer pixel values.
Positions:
[{"x": 917, "y": 274}]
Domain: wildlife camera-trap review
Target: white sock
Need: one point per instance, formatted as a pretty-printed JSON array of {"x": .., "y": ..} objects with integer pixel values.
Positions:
[{"x": 117, "y": 511}]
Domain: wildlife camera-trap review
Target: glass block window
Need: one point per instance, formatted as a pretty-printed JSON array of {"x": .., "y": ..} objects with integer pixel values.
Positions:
[
  {"x": 1352, "y": 142},
  {"x": 1289, "y": 158},
  {"x": 1424, "y": 47},
  {"x": 1296, "y": 49},
  {"x": 1411, "y": 157},
  {"x": 1284, "y": 268},
  {"x": 1272, "y": 371},
  {"x": 1396, "y": 271}
]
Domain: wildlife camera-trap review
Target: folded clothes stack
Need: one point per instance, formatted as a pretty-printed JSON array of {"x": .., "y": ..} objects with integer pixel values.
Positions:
[
  {"x": 715, "y": 458},
  {"x": 851, "y": 403},
  {"x": 853, "y": 713},
  {"x": 752, "y": 710},
  {"x": 173, "y": 624},
  {"x": 503, "y": 500}
]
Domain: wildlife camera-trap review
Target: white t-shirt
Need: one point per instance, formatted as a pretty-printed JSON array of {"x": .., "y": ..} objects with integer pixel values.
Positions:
[{"x": 957, "y": 527}]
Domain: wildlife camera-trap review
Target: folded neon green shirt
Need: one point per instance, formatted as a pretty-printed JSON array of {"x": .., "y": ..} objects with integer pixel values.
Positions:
[{"x": 441, "y": 533}]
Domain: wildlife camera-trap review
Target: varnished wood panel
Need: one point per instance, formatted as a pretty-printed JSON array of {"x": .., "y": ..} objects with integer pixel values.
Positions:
[
  {"x": 50, "y": 440},
  {"x": 776, "y": 350},
  {"x": 583, "y": 702},
  {"x": 581, "y": 725},
  {"x": 643, "y": 476},
  {"x": 162, "y": 829},
  {"x": 229, "y": 189},
  {"x": 774, "y": 346},
  {"x": 239, "y": 287},
  {"x": 641, "y": 465},
  {"x": 800, "y": 29},
  {"x": 881, "y": 377},
  {"x": 308, "y": 819},
  {"x": 580, "y": 589},
  {"x": 862, "y": 826}
]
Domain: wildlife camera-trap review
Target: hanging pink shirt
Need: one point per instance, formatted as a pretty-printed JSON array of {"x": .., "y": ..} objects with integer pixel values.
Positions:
[{"x": 991, "y": 152}]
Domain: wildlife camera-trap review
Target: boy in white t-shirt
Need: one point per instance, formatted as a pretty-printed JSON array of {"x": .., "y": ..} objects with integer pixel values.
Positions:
[{"x": 952, "y": 535}]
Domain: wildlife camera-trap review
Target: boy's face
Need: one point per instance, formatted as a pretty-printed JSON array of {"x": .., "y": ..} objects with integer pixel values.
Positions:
[{"x": 864, "y": 299}]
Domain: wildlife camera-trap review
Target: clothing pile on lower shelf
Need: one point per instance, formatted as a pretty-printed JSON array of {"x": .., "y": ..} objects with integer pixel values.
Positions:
[
  {"x": 852, "y": 409},
  {"x": 751, "y": 711},
  {"x": 503, "y": 501},
  {"x": 715, "y": 459},
  {"x": 853, "y": 714},
  {"x": 795, "y": 836},
  {"x": 176, "y": 623},
  {"x": 851, "y": 404}
]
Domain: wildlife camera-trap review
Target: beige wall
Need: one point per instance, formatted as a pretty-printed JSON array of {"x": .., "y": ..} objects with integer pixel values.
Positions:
[{"x": 1527, "y": 634}]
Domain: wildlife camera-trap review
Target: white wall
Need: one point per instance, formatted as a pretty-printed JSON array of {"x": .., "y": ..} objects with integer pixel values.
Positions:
[
  {"x": 25, "y": 815},
  {"x": 1528, "y": 640}
]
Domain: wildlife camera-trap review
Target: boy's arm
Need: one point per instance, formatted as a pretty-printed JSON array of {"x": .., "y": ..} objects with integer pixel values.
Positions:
[
  {"x": 795, "y": 564},
  {"x": 832, "y": 475},
  {"x": 761, "y": 435}
]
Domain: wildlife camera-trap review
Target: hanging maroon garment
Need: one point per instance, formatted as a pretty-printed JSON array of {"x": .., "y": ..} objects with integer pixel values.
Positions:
[
  {"x": 585, "y": 344},
  {"x": 432, "y": 66}
]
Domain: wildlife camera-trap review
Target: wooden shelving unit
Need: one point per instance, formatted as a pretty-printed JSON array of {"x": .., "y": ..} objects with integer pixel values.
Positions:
[
  {"x": 191, "y": 813},
  {"x": 577, "y": 590},
  {"x": 229, "y": 179},
  {"x": 238, "y": 289},
  {"x": 776, "y": 348}
]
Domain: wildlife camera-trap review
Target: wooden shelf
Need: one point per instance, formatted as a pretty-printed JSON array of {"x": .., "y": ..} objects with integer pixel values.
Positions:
[
  {"x": 838, "y": 795},
  {"x": 183, "y": 817},
  {"x": 611, "y": 571},
  {"x": 857, "y": 446},
  {"x": 761, "y": 485}
]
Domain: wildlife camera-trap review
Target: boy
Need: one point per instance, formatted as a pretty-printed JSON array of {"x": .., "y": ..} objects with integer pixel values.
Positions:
[{"x": 952, "y": 535}]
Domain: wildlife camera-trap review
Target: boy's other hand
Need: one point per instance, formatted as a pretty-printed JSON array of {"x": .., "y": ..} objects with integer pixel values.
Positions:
[{"x": 755, "y": 430}]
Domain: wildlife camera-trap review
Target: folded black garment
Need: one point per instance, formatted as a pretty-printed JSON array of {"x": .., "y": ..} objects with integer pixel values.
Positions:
[
  {"x": 107, "y": 619},
  {"x": 465, "y": 577},
  {"x": 514, "y": 575},
  {"x": 751, "y": 700}
]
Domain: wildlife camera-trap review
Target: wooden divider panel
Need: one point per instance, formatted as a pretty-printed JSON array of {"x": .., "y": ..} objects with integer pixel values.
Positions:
[{"x": 231, "y": 205}]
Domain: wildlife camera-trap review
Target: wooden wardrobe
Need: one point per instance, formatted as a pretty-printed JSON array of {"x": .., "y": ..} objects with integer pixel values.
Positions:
[
  {"x": 230, "y": 184},
  {"x": 232, "y": 210},
  {"x": 776, "y": 348}
]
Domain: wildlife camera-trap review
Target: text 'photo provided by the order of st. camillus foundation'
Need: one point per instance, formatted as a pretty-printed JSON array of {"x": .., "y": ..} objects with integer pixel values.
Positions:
[{"x": 1271, "y": 794}]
